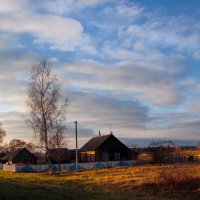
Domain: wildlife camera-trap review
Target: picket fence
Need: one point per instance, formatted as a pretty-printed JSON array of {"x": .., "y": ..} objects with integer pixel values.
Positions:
[{"x": 65, "y": 167}]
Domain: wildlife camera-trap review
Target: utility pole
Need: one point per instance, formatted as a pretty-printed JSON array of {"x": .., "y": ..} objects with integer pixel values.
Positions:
[{"x": 76, "y": 144}]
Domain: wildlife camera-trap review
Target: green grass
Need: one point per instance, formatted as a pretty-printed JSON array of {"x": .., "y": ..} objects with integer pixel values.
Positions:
[{"x": 136, "y": 182}]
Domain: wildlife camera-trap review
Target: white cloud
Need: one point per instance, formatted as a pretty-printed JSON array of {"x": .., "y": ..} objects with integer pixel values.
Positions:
[
  {"x": 9, "y": 44},
  {"x": 12, "y": 5},
  {"x": 13, "y": 77},
  {"x": 144, "y": 57},
  {"x": 152, "y": 86},
  {"x": 129, "y": 10},
  {"x": 178, "y": 33},
  {"x": 64, "y": 34},
  {"x": 137, "y": 30},
  {"x": 15, "y": 126},
  {"x": 64, "y": 7},
  {"x": 60, "y": 33},
  {"x": 99, "y": 111}
]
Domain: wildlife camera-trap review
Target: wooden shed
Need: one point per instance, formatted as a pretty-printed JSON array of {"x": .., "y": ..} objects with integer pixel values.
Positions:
[
  {"x": 62, "y": 155},
  {"x": 20, "y": 156},
  {"x": 104, "y": 148}
]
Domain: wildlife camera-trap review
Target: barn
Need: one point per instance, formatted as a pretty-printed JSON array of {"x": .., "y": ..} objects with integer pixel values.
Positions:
[
  {"x": 104, "y": 148},
  {"x": 20, "y": 156}
]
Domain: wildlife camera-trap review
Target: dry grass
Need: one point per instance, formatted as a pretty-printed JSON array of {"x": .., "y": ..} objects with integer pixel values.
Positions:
[
  {"x": 176, "y": 176},
  {"x": 138, "y": 182}
]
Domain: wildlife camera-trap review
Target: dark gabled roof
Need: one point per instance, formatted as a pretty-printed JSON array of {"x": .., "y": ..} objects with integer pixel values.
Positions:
[
  {"x": 94, "y": 143},
  {"x": 58, "y": 149},
  {"x": 13, "y": 154},
  {"x": 62, "y": 152},
  {"x": 58, "y": 152},
  {"x": 20, "y": 155}
]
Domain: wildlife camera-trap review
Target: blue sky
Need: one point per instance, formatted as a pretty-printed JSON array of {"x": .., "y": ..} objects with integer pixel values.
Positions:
[{"x": 132, "y": 64}]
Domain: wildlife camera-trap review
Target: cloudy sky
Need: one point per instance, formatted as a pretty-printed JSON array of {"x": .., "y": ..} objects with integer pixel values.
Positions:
[{"x": 132, "y": 64}]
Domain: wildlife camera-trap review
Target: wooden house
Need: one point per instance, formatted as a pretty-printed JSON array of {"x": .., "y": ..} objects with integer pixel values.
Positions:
[
  {"x": 104, "y": 148},
  {"x": 186, "y": 155},
  {"x": 20, "y": 156}
]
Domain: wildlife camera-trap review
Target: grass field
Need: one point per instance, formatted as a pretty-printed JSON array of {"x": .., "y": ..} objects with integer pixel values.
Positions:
[{"x": 138, "y": 182}]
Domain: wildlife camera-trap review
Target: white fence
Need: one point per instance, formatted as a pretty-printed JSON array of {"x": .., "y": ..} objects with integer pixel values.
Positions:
[
  {"x": 11, "y": 168},
  {"x": 65, "y": 167}
]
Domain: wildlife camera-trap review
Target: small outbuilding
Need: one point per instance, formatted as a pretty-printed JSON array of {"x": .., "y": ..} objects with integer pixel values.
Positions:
[
  {"x": 104, "y": 148},
  {"x": 62, "y": 155},
  {"x": 20, "y": 156}
]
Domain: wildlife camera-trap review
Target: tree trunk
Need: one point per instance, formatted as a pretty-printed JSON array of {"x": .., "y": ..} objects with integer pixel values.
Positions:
[{"x": 50, "y": 169}]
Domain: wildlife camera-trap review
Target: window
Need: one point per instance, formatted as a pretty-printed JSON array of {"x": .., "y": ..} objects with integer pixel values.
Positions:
[
  {"x": 105, "y": 156},
  {"x": 83, "y": 156},
  {"x": 91, "y": 156},
  {"x": 117, "y": 156}
]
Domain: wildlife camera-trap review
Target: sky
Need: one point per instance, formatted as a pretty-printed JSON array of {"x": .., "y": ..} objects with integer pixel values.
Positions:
[{"x": 129, "y": 66}]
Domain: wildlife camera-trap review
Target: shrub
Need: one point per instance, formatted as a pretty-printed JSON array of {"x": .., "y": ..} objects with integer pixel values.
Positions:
[{"x": 175, "y": 176}]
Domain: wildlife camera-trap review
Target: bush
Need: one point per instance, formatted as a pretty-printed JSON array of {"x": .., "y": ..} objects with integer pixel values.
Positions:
[{"x": 175, "y": 176}]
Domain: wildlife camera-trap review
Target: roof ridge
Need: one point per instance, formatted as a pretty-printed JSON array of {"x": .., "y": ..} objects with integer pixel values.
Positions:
[
  {"x": 12, "y": 154},
  {"x": 100, "y": 136},
  {"x": 95, "y": 142}
]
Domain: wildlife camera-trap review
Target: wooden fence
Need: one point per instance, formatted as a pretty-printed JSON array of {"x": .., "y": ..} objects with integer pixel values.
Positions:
[{"x": 65, "y": 167}]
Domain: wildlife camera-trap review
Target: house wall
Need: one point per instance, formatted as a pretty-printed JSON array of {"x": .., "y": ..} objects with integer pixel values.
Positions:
[
  {"x": 112, "y": 146},
  {"x": 88, "y": 156}
]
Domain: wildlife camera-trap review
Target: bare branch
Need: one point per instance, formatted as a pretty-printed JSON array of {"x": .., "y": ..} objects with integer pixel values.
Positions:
[{"x": 2, "y": 133}]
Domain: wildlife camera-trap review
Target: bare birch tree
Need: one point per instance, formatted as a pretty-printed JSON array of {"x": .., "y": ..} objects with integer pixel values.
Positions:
[
  {"x": 44, "y": 105},
  {"x": 2, "y": 133}
]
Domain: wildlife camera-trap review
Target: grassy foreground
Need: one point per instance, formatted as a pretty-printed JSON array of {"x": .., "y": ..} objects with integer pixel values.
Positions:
[{"x": 137, "y": 182}]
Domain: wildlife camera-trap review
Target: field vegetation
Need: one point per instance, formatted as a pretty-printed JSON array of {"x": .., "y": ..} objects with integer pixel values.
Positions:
[{"x": 137, "y": 182}]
